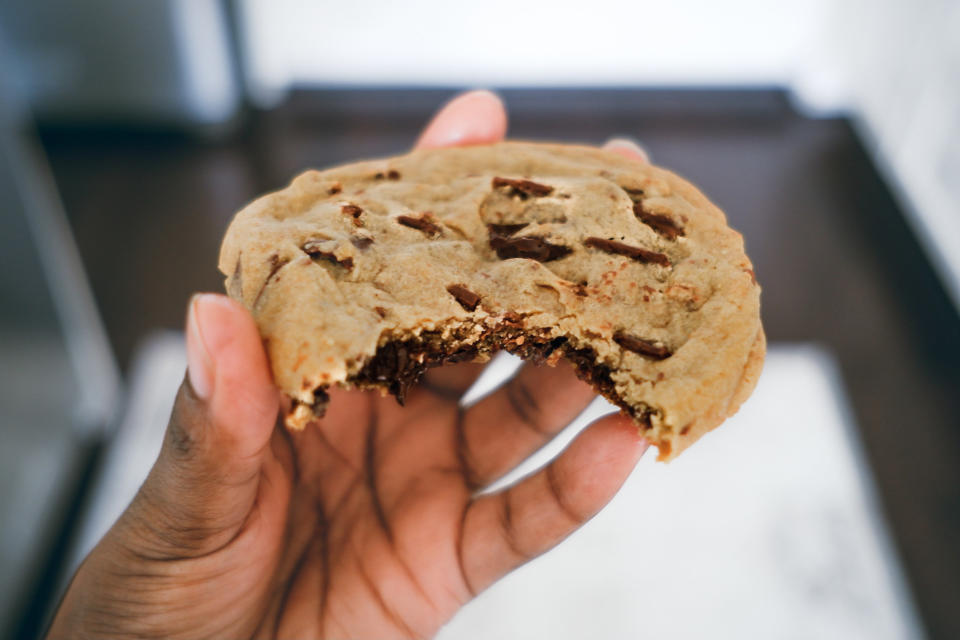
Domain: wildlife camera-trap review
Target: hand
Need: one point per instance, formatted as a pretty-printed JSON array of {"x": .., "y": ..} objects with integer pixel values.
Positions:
[{"x": 366, "y": 524}]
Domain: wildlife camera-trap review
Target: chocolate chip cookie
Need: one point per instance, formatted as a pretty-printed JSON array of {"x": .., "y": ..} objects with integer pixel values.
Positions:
[{"x": 368, "y": 274}]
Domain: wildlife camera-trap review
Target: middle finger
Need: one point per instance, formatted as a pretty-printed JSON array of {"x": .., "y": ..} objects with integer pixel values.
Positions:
[{"x": 509, "y": 425}]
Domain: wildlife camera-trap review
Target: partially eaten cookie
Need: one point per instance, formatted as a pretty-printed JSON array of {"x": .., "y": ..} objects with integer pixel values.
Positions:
[{"x": 368, "y": 274}]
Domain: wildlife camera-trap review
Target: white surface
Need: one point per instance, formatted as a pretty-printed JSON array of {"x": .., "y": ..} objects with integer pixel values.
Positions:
[
  {"x": 534, "y": 42},
  {"x": 764, "y": 529}
]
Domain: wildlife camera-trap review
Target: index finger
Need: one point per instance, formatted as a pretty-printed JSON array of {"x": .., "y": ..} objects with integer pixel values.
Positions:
[{"x": 475, "y": 117}]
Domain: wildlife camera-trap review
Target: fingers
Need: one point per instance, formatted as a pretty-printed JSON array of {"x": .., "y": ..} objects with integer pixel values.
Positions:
[
  {"x": 502, "y": 531},
  {"x": 206, "y": 478},
  {"x": 506, "y": 427},
  {"x": 627, "y": 148},
  {"x": 475, "y": 117}
]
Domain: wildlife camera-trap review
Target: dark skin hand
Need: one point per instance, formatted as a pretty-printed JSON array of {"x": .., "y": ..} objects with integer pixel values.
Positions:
[{"x": 367, "y": 524}]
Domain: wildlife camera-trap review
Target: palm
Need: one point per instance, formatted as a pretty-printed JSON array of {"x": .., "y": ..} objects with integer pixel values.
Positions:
[
  {"x": 385, "y": 534},
  {"x": 379, "y": 509}
]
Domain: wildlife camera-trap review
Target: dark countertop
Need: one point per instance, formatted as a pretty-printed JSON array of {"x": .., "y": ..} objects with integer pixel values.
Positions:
[{"x": 837, "y": 261}]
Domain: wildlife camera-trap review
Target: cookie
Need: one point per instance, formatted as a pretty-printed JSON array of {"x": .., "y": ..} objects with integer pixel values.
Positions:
[{"x": 366, "y": 275}]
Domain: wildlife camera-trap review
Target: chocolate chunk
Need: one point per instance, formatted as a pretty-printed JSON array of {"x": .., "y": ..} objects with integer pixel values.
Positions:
[
  {"x": 621, "y": 249},
  {"x": 522, "y": 188},
  {"x": 346, "y": 263},
  {"x": 393, "y": 174},
  {"x": 276, "y": 263},
  {"x": 532, "y": 247},
  {"x": 467, "y": 299},
  {"x": 579, "y": 288},
  {"x": 505, "y": 230},
  {"x": 361, "y": 242},
  {"x": 312, "y": 249},
  {"x": 320, "y": 401},
  {"x": 335, "y": 188},
  {"x": 425, "y": 223},
  {"x": 319, "y": 405},
  {"x": 381, "y": 311},
  {"x": 392, "y": 366},
  {"x": 351, "y": 210},
  {"x": 463, "y": 354},
  {"x": 662, "y": 224},
  {"x": 634, "y": 193},
  {"x": 643, "y": 347},
  {"x": 540, "y": 352}
]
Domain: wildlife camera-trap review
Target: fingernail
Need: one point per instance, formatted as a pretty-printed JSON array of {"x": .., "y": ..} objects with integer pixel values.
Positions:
[
  {"x": 470, "y": 118},
  {"x": 627, "y": 148},
  {"x": 199, "y": 363}
]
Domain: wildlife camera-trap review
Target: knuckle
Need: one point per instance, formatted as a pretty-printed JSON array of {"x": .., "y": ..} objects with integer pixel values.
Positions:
[{"x": 559, "y": 498}]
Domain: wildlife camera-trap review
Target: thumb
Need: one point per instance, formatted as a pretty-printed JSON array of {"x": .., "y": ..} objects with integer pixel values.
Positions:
[{"x": 205, "y": 481}]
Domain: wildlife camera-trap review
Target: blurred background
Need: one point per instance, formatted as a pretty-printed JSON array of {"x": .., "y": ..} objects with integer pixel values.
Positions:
[{"x": 828, "y": 130}]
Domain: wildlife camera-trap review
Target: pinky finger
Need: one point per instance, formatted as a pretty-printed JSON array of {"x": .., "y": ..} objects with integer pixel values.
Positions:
[{"x": 502, "y": 531}]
